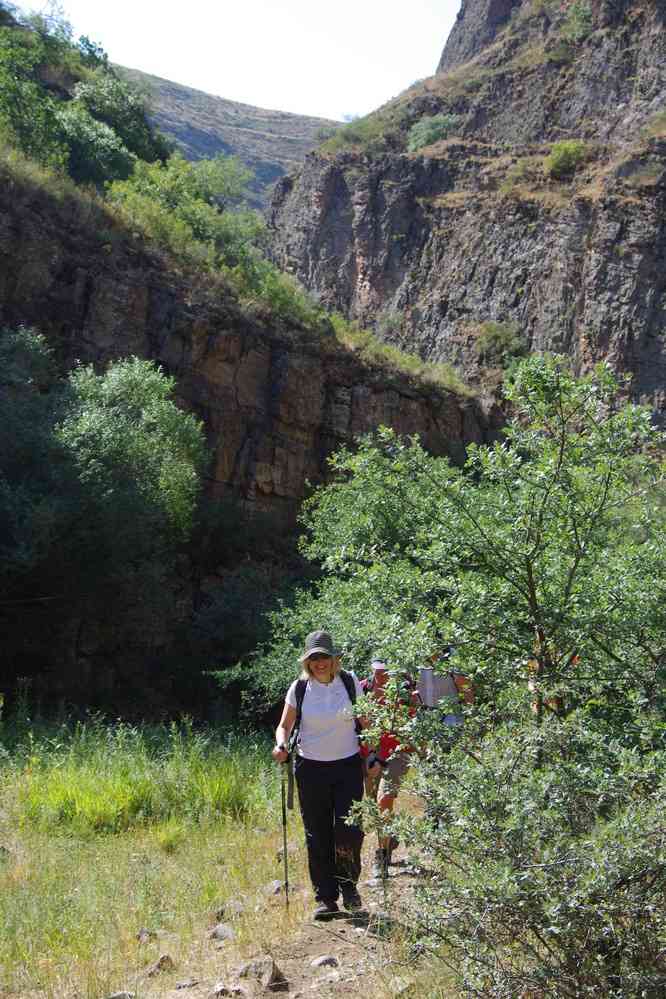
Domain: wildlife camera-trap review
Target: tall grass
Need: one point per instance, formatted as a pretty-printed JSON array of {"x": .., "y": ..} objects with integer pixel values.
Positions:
[
  {"x": 97, "y": 778},
  {"x": 108, "y": 828},
  {"x": 392, "y": 359}
]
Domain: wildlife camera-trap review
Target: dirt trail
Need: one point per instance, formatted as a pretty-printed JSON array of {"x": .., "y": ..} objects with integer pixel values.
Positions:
[
  {"x": 360, "y": 949},
  {"x": 361, "y": 944}
]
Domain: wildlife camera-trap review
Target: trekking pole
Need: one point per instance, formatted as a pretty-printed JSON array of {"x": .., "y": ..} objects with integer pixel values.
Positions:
[{"x": 284, "y": 834}]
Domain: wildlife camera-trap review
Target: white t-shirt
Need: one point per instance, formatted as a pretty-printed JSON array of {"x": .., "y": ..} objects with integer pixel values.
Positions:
[{"x": 327, "y": 722}]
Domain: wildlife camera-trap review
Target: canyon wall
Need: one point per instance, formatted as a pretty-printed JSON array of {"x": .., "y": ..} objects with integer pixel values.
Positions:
[
  {"x": 275, "y": 401},
  {"x": 433, "y": 248}
]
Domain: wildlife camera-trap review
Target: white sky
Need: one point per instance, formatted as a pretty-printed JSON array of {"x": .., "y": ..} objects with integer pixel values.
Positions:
[{"x": 307, "y": 56}]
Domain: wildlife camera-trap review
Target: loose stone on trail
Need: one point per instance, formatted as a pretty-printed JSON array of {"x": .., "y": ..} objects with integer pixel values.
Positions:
[
  {"x": 145, "y": 936},
  {"x": 163, "y": 963},
  {"x": 325, "y": 961},
  {"x": 122, "y": 995},
  {"x": 222, "y": 932},
  {"x": 231, "y": 909},
  {"x": 273, "y": 888},
  {"x": 187, "y": 983},
  {"x": 264, "y": 969},
  {"x": 222, "y": 989}
]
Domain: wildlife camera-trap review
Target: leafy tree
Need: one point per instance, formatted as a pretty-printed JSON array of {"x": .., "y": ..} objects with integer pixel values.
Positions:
[
  {"x": 499, "y": 343},
  {"x": 28, "y": 116},
  {"x": 95, "y": 152},
  {"x": 100, "y": 479},
  {"x": 121, "y": 107},
  {"x": 92, "y": 53},
  {"x": 541, "y": 562}
]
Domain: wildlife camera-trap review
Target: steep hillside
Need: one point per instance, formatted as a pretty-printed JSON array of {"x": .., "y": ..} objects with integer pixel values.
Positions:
[
  {"x": 269, "y": 142},
  {"x": 456, "y": 221},
  {"x": 276, "y": 400}
]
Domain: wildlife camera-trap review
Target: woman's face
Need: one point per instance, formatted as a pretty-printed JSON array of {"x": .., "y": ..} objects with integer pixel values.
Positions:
[{"x": 321, "y": 666}]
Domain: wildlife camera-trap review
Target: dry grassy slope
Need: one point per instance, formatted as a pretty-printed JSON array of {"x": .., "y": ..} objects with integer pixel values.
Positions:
[
  {"x": 269, "y": 142},
  {"x": 431, "y": 246}
]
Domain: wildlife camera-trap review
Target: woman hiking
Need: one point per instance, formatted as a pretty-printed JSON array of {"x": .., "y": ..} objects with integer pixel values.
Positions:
[{"x": 329, "y": 774}]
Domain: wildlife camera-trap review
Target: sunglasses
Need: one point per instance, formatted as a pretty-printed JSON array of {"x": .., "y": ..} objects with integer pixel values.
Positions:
[{"x": 318, "y": 657}]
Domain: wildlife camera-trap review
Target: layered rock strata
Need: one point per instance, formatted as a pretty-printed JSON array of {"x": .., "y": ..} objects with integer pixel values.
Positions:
[
  {"x": 431, "y": 247},
  {"x": 275, "y": 402}
]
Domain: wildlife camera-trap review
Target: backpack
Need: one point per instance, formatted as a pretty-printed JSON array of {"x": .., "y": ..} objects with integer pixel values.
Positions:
[{"x": 301, "y": 686}]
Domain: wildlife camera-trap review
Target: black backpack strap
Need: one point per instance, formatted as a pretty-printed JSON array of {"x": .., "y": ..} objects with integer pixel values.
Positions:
[
  {"x": 350, "y": 687},
  {"x": 301, "y": 687}
]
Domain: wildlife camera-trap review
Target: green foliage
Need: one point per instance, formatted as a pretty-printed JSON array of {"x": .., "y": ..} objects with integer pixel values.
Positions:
[
  {"x": 389, "y": 323},
  {"x": 385, "y": 355},
  {"x": 92, "y": 53},
  {"x": 121, "y": 107},
  {"x": 96, "y": 778},
  {"x": 179, "y": 202},
  {"x": 194, "y": 209},
  {"x": 578, "y": 22},
  {"x": 125, "y": 434},
  {"x": 564, "y": 158},
  {"x": 99, "y": 132},
  {"x": 371, "y": 132},
  {"x": 541, "y": 562},
  {"x": 96, "y": 153},
  {"x": 499, "y": 343},
  {"x": 431, "y": 128},
  {"x": 27, "y": 113},
  {"x": 100, "y": 478},
  {"x": 361, "y": 132},
  {"x": 563, "y": 884}
]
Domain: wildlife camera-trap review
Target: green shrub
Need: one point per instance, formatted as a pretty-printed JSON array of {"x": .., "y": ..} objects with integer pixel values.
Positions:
[
  {"x": 119, "y": 105},
  {"x": 376, "y": 352},
  {"x": 499, "y": 343},
  {"x": 100, "y": 479},
  {"x": 370, "y": 132},
  {"x": 28, "y": 116},
  {"x": 430, "y": 129},
  {"x": 96, "y": 153},
  {"x": 578, "y": 22},
  {"x": 541, "y": 562},
  {"x": 564, "y": 158},
  {"x": 389, "y": 323}
]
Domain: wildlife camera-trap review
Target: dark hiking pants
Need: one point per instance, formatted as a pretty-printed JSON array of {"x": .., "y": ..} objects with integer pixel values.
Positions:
[{"x": 326, "y": 792}]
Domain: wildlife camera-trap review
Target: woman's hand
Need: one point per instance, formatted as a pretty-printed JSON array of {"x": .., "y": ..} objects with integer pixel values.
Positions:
[{"x": 280, "y": 754}]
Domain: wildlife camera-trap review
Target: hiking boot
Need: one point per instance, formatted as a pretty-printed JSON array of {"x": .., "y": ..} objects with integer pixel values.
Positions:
[
  {"x": 325, "y": 910},
  {"x": 351, "y": 899},
  {"x": 380, "y": 864}
]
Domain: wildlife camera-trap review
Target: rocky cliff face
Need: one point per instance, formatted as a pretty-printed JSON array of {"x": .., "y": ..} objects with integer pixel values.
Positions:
[
  {"x": 477, "y": 25},
  {"x": 275, "y": 402},
  {"x": 477, "y": 241}
]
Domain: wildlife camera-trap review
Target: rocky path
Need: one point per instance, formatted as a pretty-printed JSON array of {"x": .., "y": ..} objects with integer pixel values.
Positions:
[{"x": 298, "y": 957}]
